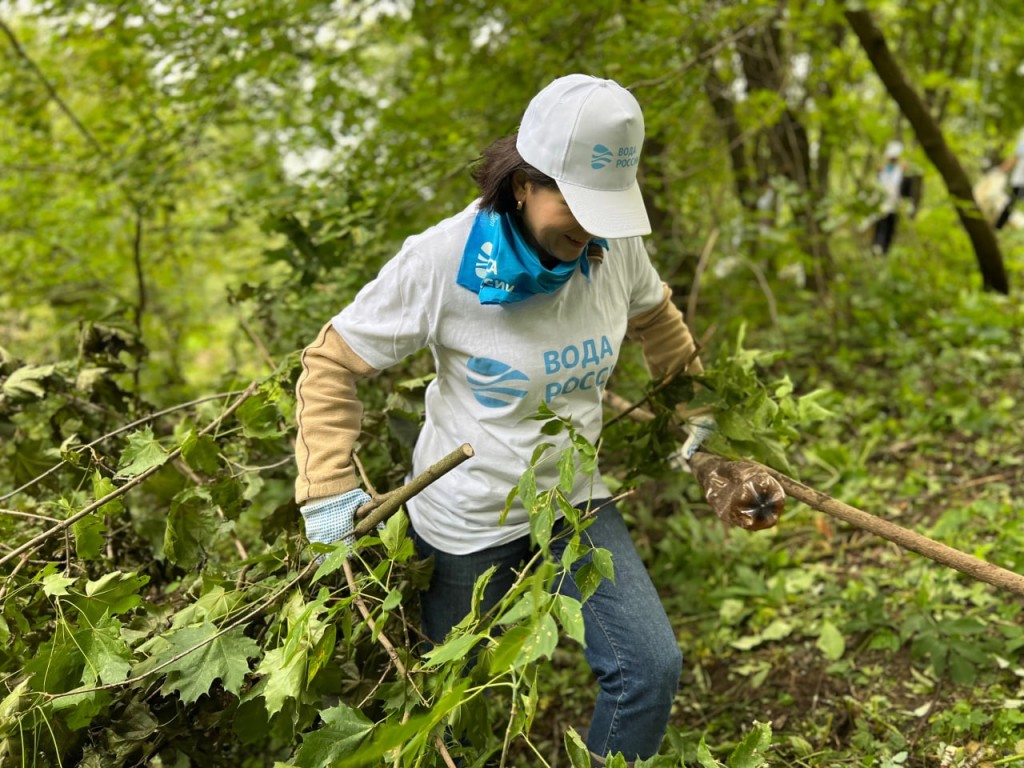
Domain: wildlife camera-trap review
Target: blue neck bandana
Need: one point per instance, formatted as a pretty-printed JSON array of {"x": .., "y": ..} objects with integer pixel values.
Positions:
[{"x": 501, "y": 268}]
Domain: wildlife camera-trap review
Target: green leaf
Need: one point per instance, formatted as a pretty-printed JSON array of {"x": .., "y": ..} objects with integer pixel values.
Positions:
[
  {"x": 212, "y": 606},
  {"x": 409, "y": 736},
  {"x": 587, "y": 579},
  {"x": 542, "y": 641},
  {"x": 603, "y": 563},
  {"x": 142, "y": 453},
  {"x": 569, "y": 611},
  {"x": 810, "y": 410},
  {"x": 507, "y": 651},
  {"x": 259, "y": 418},
  {"x": 553, "y": 427},
  {"x": 579, "y": 755},
  {"x": 344, "y": 729},
  {"x": 285, "y": 674},
  {"x": 455, "y": 648},
  {"x": 113, "y": 593},
  {"x": 567, "y": 471},
  {"x": 830, "y": 641},
  {"x": 56, "y": 665},
  {"x": 750, "y": 753},
  {"x": 200, "y": 452},
  {"x": 26, "y": 383},
  {"x": 320, "y": 657},
  {"x": 101, "y": 487},
  {"x": 10, "y": 708},
  {"x": 224, "y": 659},
  {"x": 80, "y": 708},
  {"x": 523, "y": 608},
  {"x": 542, "y": 520},
  {"x": 528, "y": 489},
  {"x": 108, "y": 659},
  {"x": 392, "y": 600},
  {"x": 704, "y": 756},
  {"x": 395, "y": 537},
  {"x": 88, "y": 532},
  {"x": 56, "y": 584},
  {"x": 191, "y": 525}
]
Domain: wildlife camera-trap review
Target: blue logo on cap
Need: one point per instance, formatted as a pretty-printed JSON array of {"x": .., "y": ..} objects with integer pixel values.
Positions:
[{"x": 601, "y": 158}]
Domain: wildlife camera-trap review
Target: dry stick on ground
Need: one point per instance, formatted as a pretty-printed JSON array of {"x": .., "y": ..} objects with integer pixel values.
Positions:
[{"x": 903, "y": 537}]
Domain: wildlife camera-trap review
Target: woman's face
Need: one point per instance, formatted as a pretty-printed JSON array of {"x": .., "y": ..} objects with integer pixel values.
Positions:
[{"x": 550, "y": 223}]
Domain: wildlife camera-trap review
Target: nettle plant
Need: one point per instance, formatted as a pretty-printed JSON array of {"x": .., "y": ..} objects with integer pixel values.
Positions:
[{"x": 160, "y": 605}]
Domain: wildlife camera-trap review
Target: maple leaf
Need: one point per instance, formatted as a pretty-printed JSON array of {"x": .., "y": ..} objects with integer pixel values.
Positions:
[{"x": 224, "y": 659}]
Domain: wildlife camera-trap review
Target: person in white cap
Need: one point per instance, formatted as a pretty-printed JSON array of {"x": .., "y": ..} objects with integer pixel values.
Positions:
[
  {"x": 1014, "y": 166},
  {"x": 890, "y": 178},
  {"x": 524, "y": 298}
]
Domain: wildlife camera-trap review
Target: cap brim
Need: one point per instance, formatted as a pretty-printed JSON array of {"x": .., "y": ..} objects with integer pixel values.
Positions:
[{"x": 607, "y": 213}]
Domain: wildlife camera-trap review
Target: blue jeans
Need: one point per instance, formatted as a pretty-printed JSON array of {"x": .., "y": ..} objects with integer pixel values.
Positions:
[{"x": 631, "y": 646}]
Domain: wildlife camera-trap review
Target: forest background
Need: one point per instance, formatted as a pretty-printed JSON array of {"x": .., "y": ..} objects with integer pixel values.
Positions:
[{"x": 188, "y": 191}]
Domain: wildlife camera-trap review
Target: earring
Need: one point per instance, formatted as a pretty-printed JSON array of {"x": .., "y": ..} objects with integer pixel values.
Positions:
[{"x": 519, "y": 206}]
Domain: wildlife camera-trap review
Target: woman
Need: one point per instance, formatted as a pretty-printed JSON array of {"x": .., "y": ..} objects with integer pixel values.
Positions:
[{"x": 524, "y": 297}]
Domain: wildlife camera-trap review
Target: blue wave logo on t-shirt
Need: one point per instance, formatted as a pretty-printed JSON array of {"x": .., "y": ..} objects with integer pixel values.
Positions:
[
  {"x": 491, "y": 382},
  {"x": 602, "y": 157}
]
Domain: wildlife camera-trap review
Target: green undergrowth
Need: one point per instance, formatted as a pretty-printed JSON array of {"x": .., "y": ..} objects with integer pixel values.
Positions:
[
  {"x": 857, "y": 652},
  {"x": 177, "y": 618}
]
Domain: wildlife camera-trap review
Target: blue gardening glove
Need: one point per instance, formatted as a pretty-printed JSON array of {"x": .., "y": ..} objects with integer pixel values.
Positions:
[
  {"x": 699, "y": 428},
  {"x": 333, "y": 519}
]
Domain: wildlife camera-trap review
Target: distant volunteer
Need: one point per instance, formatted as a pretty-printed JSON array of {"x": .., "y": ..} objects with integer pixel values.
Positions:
[
  {"x": 523, "y": 298},
  {"x": 890, "y": 179},
  {"x": 1013, "y": 165}
]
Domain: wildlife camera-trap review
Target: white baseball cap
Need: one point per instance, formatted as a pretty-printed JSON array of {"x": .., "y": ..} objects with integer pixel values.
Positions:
[{"x": 586, "y": 134}]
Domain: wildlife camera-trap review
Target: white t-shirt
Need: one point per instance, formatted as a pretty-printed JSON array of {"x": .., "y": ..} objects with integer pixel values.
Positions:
[
  {"x": 1017, "y": 174},
  {"x": 495, "y": 365},
  {"x": 891, "y": 179}
]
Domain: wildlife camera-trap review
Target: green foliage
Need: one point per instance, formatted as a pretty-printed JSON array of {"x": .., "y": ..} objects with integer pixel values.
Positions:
[{"x": 189, "y": 192}]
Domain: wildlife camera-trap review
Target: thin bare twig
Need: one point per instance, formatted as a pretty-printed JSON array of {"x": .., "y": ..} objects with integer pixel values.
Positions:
[
  {"x": 50, "y": 89},
  {"x": 389, "y": 647},
  {"x": 702, "y": 263}
]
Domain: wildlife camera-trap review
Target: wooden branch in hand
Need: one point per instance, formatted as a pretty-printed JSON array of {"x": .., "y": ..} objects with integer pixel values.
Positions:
[
  {"x": 384, "y": 506},
  {"x": 903, "y": 537}
]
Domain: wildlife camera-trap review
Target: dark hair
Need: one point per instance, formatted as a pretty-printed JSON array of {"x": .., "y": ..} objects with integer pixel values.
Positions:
[{"x": 493, "y": 175}]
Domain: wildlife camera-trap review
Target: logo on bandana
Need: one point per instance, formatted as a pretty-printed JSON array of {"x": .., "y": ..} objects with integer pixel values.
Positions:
[
  {"x": 485, "y": 265},
  {"x": 493, "y": 382},
  {"x": 601, "y": 158}
]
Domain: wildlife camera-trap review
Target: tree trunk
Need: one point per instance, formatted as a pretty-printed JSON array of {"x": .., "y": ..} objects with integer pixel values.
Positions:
[
  {"x": 929, "y": 135},
  {"x": 725, "y": 111}
]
